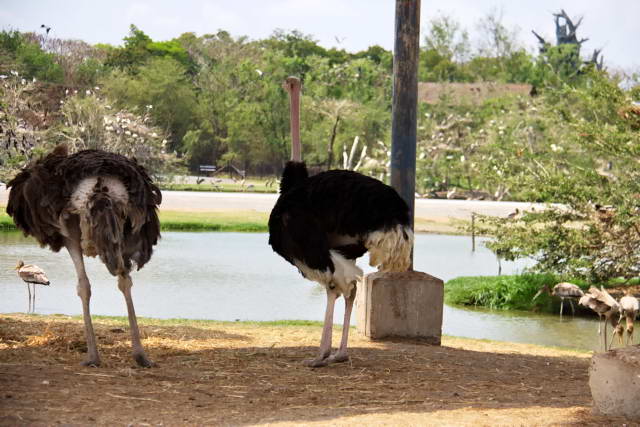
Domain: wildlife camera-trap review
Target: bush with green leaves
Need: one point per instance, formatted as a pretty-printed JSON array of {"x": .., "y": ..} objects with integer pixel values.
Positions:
[
  {"x": 514, "y": 292},
  {"x": 590, "y": 171}
]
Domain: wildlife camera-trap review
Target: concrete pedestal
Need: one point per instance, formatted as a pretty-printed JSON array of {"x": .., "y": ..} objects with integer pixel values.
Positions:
[
  {"x": 614, "y": 378},
  {"x": 407, "y": 305}
]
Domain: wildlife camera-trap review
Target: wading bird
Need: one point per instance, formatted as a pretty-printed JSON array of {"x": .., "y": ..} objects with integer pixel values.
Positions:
[
  {"x": 563, "y": 290},
  {"x": 32, "y": 274},
  {"x": 629, "y": 307},
  {"x": 322, "y": 223},
  {"x": 92, "y": 203},
  {"x": 605, "y": 306}
]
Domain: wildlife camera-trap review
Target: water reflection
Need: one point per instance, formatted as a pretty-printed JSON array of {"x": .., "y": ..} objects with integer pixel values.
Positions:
[{"x": 229, "y": 276}]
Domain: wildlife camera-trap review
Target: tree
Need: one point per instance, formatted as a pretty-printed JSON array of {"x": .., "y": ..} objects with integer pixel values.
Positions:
[
  {"x": 23, "y": 53},
  {"x": 90, "y": 122},
  {"x": 139, "y": 48},
  {"x": 162, "y": 89},
  {"x": 564, "y": 58},
  {"x": 590, "y": 169},
  {"x": 446, "y": 48}
]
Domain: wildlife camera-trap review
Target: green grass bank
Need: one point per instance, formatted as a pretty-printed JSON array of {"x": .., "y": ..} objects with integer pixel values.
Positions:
[
  {"x": 238, "y": 221},
  {"x": 516, "y": 292}
]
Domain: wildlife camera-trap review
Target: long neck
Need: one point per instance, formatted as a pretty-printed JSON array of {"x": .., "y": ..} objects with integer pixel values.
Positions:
[{"x": 294, "y": 98}]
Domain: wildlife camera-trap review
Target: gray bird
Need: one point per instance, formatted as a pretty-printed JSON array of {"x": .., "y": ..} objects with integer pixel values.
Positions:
[
  {"x": 563, "y": 290},
  {"x": 629, "y": 307},
  {"x": 32, "y": 274},
  {"x": 604, "y": 305}
]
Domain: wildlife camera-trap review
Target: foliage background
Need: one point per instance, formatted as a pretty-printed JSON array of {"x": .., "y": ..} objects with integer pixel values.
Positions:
[{"x": 217, "y": 99}]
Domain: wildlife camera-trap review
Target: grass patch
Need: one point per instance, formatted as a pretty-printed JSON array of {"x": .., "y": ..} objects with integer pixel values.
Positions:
[
  {"x": 6, "y": 223},
  {"x": 503, "y": 292},
  {"x": 239, "y": 221},
  {"x": 234, "y": 187},
  {"x": 236, "y": 221},
  {"x": 151, "y": 321}
]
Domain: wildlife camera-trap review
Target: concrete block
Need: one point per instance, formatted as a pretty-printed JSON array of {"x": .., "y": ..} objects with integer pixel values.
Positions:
[
  {"x": 614, "y": 378},
  {"x": 407, "y": 305}
]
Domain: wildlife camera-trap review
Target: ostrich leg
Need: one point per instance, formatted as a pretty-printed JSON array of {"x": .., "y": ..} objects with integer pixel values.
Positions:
[
  {"x": 139, "y": 355},
  {"x": 561, "y": 306},
  {"x": 341, "y": 355},
  {"x": 84, "y": 292},
  {"x": 325, "y": 341},
  {"x": 33, "y": 304}
]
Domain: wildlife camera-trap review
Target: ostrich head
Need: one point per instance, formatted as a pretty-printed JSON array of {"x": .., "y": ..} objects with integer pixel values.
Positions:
[
  {"x": 292, "y": 86},
  {"x": 19, "y": 265}
]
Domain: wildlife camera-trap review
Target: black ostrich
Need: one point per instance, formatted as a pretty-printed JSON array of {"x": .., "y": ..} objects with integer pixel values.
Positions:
[
  {"x": 322, "y": 224},
  {"x": 92, "y": 203}
]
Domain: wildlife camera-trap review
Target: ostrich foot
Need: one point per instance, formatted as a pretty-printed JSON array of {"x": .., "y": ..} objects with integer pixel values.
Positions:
[
  {"x": 142, "y": 360},
  {"x": 316, "y": 363},
  {"x": 338, "y": 357},
  {"x": 92, "y": 362}
]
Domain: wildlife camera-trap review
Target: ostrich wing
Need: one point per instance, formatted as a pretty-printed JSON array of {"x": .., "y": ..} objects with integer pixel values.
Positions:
[{"x": 296, "y": 236}]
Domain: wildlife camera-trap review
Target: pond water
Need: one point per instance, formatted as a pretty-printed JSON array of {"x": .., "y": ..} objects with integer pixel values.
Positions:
[{"x": 236, "y": 276}]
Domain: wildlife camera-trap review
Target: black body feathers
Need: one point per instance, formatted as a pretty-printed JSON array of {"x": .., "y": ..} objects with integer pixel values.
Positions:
[
  {"x": 333, "y": 210},
  {"x": 294, "y": 173}
]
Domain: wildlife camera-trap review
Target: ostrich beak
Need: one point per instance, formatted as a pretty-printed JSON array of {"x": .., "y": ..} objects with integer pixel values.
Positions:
[{"x": 537, "y": 294}]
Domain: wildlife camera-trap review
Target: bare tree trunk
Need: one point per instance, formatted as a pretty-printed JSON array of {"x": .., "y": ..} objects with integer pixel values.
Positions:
[{"x": 334, "y": 132}]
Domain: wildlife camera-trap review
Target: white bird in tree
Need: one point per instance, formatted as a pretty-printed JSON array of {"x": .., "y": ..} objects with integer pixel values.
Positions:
[
  {"x": 629, "y": 307},
  {"x": 605, "y": 306},
  {"x": 92, "y": 203},
  {"x": 323, "y": 223},
  {"x": 32, "y": 274},
  {"x": 563, "y": 290}
]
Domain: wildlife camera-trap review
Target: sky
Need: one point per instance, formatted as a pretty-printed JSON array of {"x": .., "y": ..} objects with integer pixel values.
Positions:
[{"x": 350, "y": 24}]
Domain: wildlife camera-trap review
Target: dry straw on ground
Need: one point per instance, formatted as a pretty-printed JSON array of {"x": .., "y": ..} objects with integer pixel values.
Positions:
[{"x": 238, "y": 373}]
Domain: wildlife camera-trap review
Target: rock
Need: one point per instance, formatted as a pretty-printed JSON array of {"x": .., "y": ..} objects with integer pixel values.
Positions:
[
  {"x": 407, "y": 305},
  {"x": 614, "y": 378}
]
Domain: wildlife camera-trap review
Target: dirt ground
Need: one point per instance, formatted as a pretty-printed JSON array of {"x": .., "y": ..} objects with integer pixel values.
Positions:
[{"x": 239, "y": 374}]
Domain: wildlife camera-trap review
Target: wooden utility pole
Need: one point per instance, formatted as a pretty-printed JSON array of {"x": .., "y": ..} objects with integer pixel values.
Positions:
[
  {"x": 405, "y": 100},
  {"x": 407, "y": 304}
]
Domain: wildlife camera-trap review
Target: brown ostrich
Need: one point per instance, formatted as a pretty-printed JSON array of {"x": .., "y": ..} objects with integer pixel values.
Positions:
[{"x": 92, "y": 203}]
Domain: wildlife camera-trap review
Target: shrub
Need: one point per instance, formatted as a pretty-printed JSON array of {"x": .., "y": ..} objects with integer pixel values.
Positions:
[{"x": 502, "y": 292}]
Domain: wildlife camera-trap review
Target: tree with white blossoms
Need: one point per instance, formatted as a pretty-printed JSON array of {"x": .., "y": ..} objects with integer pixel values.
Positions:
[
  {"x": 30, "y": 127},
  {"x": 22, "y": 128},
  {"x": 91, "y": 123}
]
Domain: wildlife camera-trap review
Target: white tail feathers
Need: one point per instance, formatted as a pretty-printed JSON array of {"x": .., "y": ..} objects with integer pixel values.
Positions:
[{"x": 390, "y": 250}]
